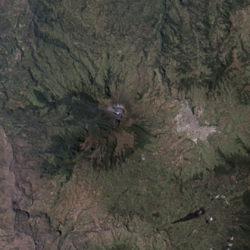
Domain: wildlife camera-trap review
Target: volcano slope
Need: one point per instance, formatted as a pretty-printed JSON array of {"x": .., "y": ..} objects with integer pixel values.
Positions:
[{"x": 124, "y": 124}]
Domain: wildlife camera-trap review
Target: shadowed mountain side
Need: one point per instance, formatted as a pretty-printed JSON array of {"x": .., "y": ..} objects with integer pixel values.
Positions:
[{"x": 106, "y": 131}]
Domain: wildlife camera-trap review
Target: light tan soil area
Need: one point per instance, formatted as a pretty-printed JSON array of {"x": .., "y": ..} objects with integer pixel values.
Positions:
[{"x": 9, "y": 237}]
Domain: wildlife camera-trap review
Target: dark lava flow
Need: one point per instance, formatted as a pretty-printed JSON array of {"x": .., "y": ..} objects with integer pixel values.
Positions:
[{"x": 191, "y": 216}]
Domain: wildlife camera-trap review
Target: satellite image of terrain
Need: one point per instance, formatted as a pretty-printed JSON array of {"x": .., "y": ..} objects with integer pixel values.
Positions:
[{"x": 125, "y": 124}]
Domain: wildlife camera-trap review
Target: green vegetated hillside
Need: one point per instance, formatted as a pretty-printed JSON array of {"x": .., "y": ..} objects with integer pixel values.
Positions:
[{"x": 181, "y": 71}]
